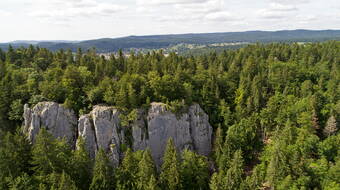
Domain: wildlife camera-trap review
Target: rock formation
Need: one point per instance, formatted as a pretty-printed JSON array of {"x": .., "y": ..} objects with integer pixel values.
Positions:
[
  {"x": 189, "y": 130},
  {"x": 101, "y": 128},
  {"x": 59, "y": 121}
]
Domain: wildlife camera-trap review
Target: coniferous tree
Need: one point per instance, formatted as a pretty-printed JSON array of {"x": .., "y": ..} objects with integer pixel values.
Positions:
[
  {"x": 146, "y": 175},
  {"x": 82, "y": 165},
  {"x": 152, "y": 184},
  {"x": 50, "y": 156},
  {"x": 23, "y": 182},
  {"x": 170, "y": 172},
  {"x": 126, "y": 173},
  {"x": 65, "y": 182},
  {"x": 234, "y": 175},
  {"x": 194, "y": 171},
  {"x": 103, "y": 178},
  {"x": 15, "y": 155}
]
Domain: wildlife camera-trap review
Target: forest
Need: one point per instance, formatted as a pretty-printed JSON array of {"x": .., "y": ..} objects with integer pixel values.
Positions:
[{"x": 275, "y": 110}]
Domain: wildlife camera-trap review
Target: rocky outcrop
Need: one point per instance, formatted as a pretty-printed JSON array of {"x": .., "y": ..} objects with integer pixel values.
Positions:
[
  {"x": 58, "y": 120},
  {"x": 190, "y": 130},
  {"x": 101, "y": 128}
]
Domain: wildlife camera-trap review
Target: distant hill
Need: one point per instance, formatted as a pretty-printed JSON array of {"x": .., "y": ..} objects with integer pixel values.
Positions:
[{"x": 106, "y": 45}]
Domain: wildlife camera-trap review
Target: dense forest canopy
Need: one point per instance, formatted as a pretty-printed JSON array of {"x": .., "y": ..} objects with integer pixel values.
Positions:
[{"x": 275, "y": 110}]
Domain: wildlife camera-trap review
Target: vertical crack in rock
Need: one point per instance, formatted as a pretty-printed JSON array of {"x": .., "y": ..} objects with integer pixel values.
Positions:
[
  {"x": 57, "y": 120},
  {"x": 101, "y": 129}
]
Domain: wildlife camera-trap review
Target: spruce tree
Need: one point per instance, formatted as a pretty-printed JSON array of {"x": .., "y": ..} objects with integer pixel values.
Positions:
[
  {"x": 102, "y": 173},
  {"x": 170, "y": 171},
  {"x": 152, "y": 184},
  {"x": 66, "y": 182},
  {"x": 82, "y": 165},
  {"x": 126, "y": 173},
  {"x": 234, "y": 175},
  {"x": 194, "y": 171},
  {"x": 43, "y": 154},
  {"x": 216, "y": 181},
  {"x": 15, "y": 156},
  {"x": 146, "y": 172}
]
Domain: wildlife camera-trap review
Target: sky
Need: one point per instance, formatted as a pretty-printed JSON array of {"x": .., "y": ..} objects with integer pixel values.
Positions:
[{"x": 92, "y": 19}]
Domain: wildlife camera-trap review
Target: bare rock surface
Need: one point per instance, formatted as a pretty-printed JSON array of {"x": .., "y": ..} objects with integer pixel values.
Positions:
[
  {"x": 189, "y": 130},
  {"x": 58, "y": 120},
  {"x": 101, "y": 128}
]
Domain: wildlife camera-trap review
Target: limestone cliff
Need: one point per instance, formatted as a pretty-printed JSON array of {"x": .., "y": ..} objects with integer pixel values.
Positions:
[
  {"x": 101, "y": 128},
  {"x": 59, "y": 121},
  {"x": 190, "y": 130}
]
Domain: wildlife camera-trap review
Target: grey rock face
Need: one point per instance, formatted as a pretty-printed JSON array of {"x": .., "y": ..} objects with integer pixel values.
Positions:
[
  {"x": 139, "y": 131},
  {"x": 189, "y": 131},
  {"x": 201, "y": 131},
  {"x": 59, "y": 121},
  {"x": 101, "y": 129},
  {"x": 86, "y": 131}
]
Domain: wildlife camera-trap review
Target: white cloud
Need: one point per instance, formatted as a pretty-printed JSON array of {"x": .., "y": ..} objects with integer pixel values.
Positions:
[
  {"x": 305, "y": 19},
  {"x": 5, "y": 13},
  {"x": 65, "y": 10},
  {"x": 222, "y": 16},
  {"x": 204, "y": 7},
  {"x": 183, "y": 10},
  {"x": 178, "y": 18},
  {"x": 168, "y": 2},
  {"x": 291, "y": 1},
  {"x": 282, "y": 7},
  {"x": 276, "y": 11}
]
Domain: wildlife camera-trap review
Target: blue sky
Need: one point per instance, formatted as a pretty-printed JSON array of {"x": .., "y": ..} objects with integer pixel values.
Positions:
[{"x": 91, "y": 19}]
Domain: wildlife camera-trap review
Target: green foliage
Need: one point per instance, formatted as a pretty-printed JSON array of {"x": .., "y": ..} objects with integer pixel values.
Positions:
[
  {"x": 170, "y": 176},
  {"x": 15, "y": 155},
  {"x": 82, "y": 166},
  {"x": 194, "y": 171},
  {"x": 126, "y": 173},
  {"x": 278, "y": 104},
  {"x": 17, "y": 109},
  {"x": 50, "y": 155},
  {"x": 146, "y": 175},
  {"x": 23, "y": 182},
  {"x": 103, "y": 177}
]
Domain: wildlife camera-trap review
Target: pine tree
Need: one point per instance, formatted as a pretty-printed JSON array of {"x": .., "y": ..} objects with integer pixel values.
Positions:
[
  {"x": 194, "y": 171},
  {"x": 15, "y": 156},
  {"x": 146, "y": 172},
  {"x": 234, "y": 175},
  {"x": 43, "y": 153},
  {"x": 82, "y": 165},
  {"x": 126, "y": 173},
  {"x": 170, "y": 172},
  {"x": 23, "y": 182},
  {"x": 50, "y": 155},
  {"x": 218, "y": 146},
  {"x": 152, "y": 184},
  {"x": 102, "y": 173},
  {"x": 66, "y": 182},
  {"x": 216, "y": 181}
]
